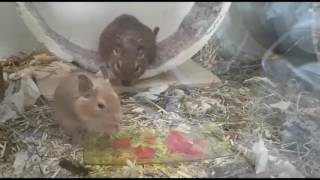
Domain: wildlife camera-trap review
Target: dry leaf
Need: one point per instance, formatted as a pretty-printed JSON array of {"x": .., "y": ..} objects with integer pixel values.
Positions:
[
  {"x": 6, "y": 113},
  {"x": 138, "y": 110},
  {"x": 25, "y": 96},
  {"x": 261, "y": 156},
  {"x": 282, "y": 105},
  {"x": 14, "y": 98},
  {"x": 153, "y": 92},
  {"x": 30, "y": 90},
  {"x": 20, "y": 161}
]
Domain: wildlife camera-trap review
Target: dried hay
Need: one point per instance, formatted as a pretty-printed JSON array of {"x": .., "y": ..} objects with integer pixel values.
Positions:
[{"x": 238, "y": 110}]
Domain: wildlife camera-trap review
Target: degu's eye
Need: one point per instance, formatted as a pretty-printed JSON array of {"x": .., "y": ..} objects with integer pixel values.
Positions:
[{"x": 101, "y": 106}]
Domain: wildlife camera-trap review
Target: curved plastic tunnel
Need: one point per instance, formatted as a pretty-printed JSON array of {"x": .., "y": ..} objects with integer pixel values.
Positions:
[{"x": 284, "y": 28}]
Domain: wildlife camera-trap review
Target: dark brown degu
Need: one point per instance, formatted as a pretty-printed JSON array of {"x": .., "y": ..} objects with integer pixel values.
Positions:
[{"x": 128, "y": 47}]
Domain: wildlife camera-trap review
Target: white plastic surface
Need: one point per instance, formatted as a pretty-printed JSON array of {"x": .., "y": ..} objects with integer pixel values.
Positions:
[
  {"x": 82, "y": 22},
  {"x": 71, "y": 30}
]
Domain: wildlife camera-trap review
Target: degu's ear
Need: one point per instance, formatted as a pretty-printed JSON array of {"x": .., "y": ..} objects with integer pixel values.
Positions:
[
  {"x": 85, "y": 85},
  {"x": 156, "y": 31},
  {"x": 104, "y": 72}
]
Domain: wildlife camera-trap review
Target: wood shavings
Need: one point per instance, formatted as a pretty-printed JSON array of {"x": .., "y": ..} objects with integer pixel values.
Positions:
[
  {"x": 3, "y": 149},
  {"x": 42, "y": 59},
  {"x": 56, "y": 173},
  {"x": 16, "y": 59},
  {"x": 229, "y": 116}
]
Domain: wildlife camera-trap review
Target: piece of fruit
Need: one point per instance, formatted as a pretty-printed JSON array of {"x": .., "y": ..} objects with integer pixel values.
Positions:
[
  {"x": 123, "y": 143},
  {"x": 176, "y": 142},
  {"x": 141, "y": 152}
]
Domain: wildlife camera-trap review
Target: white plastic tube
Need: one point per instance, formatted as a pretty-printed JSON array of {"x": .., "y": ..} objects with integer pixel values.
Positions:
[{"x": 71, "y": 29}]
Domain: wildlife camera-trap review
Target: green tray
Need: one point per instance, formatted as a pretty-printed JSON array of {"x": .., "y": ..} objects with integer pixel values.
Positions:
[{"x": 102, "y": 151}]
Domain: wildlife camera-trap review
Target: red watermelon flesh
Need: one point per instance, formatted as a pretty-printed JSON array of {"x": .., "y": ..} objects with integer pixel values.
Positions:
[
  {"x": 177, "y": 142},
  {"x": 123, "y": 143},
  {"x": 141, "y": 152}
]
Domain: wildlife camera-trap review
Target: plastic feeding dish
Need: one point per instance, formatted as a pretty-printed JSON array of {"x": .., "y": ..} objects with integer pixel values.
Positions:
[{"x": 71, "y": 30}]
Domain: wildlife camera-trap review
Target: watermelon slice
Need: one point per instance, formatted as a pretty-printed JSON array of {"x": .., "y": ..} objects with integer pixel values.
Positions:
[
  {"x": 141, "y": 152},
  {"x": 123, "y": 143},
  {"x": 177, "y": 142}
]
